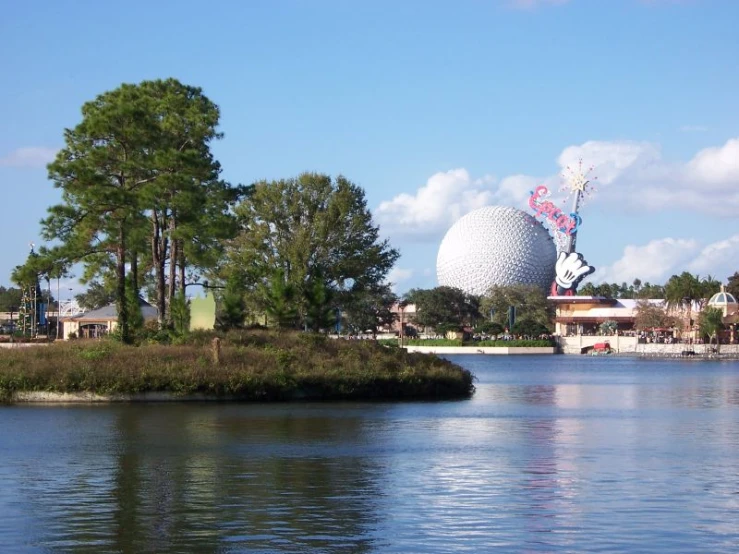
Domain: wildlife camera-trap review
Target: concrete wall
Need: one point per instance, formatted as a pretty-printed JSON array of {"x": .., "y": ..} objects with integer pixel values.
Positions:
[
  {"x": 574, "y": 345},
  {"x": 481, "y": 350},
  {"x": 631, "y": 345},
  {"x": 22, "y": 344}
]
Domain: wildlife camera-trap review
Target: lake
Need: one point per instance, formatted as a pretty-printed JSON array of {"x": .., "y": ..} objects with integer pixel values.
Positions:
[{"x": 552, "y": 454}]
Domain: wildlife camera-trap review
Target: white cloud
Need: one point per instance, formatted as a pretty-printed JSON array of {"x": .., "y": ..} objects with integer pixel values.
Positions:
[
  {"x": 632, "y": 175},
  {"x": 635, "y": 175},
  {"x": 659, "y": 259},
  {"x": 397, "y": 275},
  {"x": 718, "y": 259},
  {"x": 611, "y": 160},
  {"x": 653, "y": 262},
  {"x": 444, "y": 198},
  {"x": 718, "y": 165},
  {"x": 28, "y": 157}
]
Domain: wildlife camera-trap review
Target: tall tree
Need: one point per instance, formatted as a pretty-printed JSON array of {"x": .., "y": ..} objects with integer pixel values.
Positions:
[
  {"x": 709, "y": 286},
  {"x": 102, "y": 170},
  {"x": 141, "y": 152},
  {"x": 311, "y": 228}
]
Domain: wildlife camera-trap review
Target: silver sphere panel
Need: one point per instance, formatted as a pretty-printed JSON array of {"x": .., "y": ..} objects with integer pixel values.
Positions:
[{"x": 496, "y": 245}]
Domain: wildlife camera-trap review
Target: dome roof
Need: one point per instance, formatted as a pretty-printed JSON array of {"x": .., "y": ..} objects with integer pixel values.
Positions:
[
  {"x": 721, "y": 299},
  {"x": 496, "y": 245}
]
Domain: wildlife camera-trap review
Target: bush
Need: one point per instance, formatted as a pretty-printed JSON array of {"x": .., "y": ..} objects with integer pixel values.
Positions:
[{"x": 254, "y": 365}]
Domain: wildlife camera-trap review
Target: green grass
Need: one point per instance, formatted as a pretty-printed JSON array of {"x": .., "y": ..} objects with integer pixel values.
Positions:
[{"x": 254, "y": 365}]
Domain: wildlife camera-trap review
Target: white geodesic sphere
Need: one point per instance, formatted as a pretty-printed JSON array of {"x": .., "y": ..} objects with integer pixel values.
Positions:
[{"x": 496, "y": 245}]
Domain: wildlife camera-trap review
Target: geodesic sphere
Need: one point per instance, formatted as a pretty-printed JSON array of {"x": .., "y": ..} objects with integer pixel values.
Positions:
[{"x": 496, "y": 245}]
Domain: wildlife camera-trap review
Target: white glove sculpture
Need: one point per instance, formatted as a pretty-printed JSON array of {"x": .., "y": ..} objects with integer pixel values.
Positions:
[{"x": 570, "y": 269}]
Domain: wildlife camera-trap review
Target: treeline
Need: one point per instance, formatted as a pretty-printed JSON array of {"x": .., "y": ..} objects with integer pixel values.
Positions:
[
  {"x": 11, "y": 298},
  {"x": 144, "y": 208},
  {"x": 446, "y": 309},
  {"x": 705, "y": 286},
  {"x": 520, "y": 309}
]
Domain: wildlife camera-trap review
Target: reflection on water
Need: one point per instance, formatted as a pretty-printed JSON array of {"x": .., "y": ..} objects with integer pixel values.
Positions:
[{"x": 552, "y": 454}]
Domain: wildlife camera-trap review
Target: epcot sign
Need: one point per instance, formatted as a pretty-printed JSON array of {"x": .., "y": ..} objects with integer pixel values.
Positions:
[{"x": 560, "y": 221}]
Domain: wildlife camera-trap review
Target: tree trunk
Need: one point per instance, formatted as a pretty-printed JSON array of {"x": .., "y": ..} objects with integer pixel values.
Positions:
[
  {"x": 158, "y": 249},
  {"x": 135, "y": 271},
  {"x": 181, "y": 266},
  {"x": 173, "y": 244},
  {"x": 121, "y": 304}
]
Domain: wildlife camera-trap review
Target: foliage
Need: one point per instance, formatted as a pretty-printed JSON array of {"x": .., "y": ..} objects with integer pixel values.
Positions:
[
  {"x": 433, "y": 342},
  {"x": 686, "y": 289},
  {"x": 96, "y": 296},
  {"x": 710, "y": 323},
  {"x": 133, "y": 301},
  {"x": 312, "y": 228},
  {"x": 369, "y": 309},
  {"x": 526, "y": 343},
  {"x": 529, "y": 327},
  {"x": 608, "y": 327},
  {"x": 444, "y": 308},
  {"x": 320, "y": 313},
  {"x": 277, "y": 297},
  {"x": 10, "y": 298},
  {"x": 636, "y": 289},
  {"x": 180, "y": 310},
  {"x": 732, "y": 285},
  {"x": 232, "y": 308},
  {"x": 652, "y": 316},
  {"x": 529, "y": 300},
  {"x": 489, "y": 328},
  {"x": 137, "y": 173},
  {"x": 254, "y": 366}
]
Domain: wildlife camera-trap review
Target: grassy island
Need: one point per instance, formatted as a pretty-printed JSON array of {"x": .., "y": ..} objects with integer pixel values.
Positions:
[{"x": 243, "y": 365}]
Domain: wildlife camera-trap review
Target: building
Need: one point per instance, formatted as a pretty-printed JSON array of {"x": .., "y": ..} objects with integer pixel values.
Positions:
[
  {"x": 96, "y": 323},
  {"x": 583, "y": 315}
]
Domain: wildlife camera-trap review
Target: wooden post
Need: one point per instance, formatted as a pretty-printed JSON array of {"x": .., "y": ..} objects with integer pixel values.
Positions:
[{"x": 216, "y": 350}]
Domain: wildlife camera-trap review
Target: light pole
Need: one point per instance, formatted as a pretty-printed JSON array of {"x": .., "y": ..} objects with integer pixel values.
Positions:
[
  {"x": 58, "y": 308},
  {"x": 400, "y": 334}
]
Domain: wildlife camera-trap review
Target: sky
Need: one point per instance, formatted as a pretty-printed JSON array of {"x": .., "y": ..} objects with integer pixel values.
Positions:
[{"x": 435, "y": 108}]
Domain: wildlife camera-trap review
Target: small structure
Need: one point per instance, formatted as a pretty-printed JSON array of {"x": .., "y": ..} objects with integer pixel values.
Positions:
[
  {"x": 582, "y": 315},
  {"x": 725, "y": 302},
  {"x": 96, "y": 323}
]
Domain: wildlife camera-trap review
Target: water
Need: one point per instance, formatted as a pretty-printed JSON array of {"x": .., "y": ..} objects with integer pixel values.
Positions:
[{"x": 553, "y": 454}]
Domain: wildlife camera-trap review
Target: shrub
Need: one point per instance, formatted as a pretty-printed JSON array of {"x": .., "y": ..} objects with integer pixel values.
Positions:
[{"x": 254, "y": 365}]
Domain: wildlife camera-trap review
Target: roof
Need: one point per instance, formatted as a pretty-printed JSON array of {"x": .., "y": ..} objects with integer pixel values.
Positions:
[
  {"x": 722, "y": 299},
  {"x": 110, "y": 313},
  {"x": 582, "y": 300}
]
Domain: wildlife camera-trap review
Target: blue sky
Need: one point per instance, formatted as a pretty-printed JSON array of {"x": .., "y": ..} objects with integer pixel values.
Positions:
[{"x": 435, "y": 108}]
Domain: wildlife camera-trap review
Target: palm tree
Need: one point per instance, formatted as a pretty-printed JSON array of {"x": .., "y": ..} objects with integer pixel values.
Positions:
[
  {"x": 710, "y": 287},
  {"x": 681, "y": 291}
]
